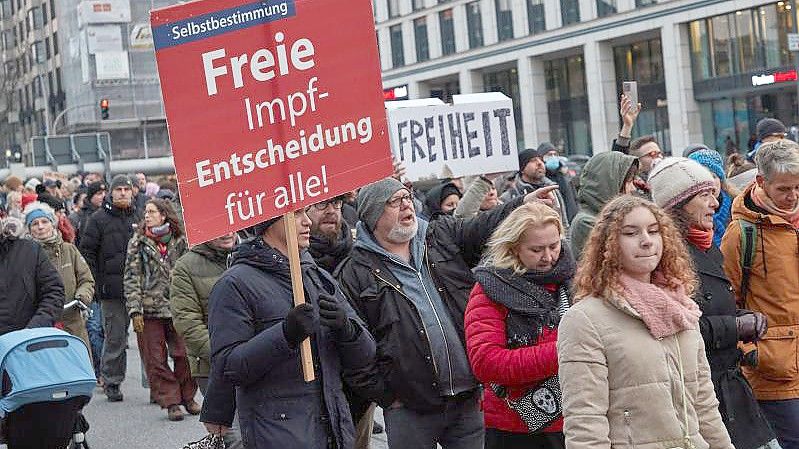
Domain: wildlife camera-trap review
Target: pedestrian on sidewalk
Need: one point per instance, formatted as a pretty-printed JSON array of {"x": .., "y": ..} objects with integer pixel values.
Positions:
[
  {"x": 763, "y": 231},
  {"x": 256, "y": 332},
  {"x": 511, "y": 323},
  {"x": 78, "y": 282},
  {"x": 152, "y": 253},
  {"x": 688, "y": 192},
  {"x": 104, "y": 243},
  {"x": 193, "y": 277},
  {"x": 632, "y": 364}
]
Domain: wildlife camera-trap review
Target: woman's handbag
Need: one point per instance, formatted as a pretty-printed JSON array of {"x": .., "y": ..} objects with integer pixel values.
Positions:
[
  {"x": 210, "y": 441},
  {"x": 539, "y": 407}
]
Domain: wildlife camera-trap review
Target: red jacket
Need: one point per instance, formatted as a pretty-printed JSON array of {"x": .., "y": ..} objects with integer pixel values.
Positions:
[{"x": 492, "y": 362}]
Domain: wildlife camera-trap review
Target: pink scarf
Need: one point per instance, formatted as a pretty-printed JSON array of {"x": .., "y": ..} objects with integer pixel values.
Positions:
[
  {"x": 664, "y": 311},
  {"x": 764, "y": 202}
]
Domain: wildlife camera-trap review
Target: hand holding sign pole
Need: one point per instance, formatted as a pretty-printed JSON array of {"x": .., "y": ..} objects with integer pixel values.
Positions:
[{"x": 269, "y": 111}]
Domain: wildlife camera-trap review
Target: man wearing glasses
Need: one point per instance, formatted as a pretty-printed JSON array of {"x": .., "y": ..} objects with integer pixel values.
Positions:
[
  {"x": 331, "y": 236},
  {"x": 410, "y": 280}
]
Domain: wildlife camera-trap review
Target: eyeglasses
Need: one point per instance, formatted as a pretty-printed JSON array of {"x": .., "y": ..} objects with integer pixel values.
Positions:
[
  {"x": 654, "y": 154},
  {"x": 396, "y": 202},
  {"x": 336, "y": 203}
]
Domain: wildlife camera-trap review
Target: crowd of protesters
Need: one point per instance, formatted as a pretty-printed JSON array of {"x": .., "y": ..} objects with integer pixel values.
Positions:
[{"x": 651, "y": 301}]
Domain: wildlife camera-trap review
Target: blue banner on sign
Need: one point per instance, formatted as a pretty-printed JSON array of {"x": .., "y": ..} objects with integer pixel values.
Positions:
[{"x": 221, "y": 22}]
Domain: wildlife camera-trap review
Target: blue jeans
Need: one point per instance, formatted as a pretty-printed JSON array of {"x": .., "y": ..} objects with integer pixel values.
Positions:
[
  {"x": 94, "y": 326},
  {"x": 784, "y": 419},
  {"x": 458, "y": 426}
]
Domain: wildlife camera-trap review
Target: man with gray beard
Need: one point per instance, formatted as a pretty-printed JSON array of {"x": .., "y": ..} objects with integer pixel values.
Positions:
[{"x": 410, "y": 280}]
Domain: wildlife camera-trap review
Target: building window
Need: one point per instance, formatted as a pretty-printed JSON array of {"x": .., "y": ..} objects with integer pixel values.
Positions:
[
  {"x": 643, "y": 62},
  {"x": 507, "y": 82},
  {"x": 38, "y": 54},
  {"x": 445, "y": 23},
  {"x": 570, "y": 11},
  {"x": 742, "y": 42},
  {"x": 639, "y": 3},
  {"x": 605, "y": 8},
  {"x": 567, "y": 105},
  {"x": 52, "y": 9},
  {"x": 397, "y": 48},
  {"x": 504, "y": 19},
  {"x": 474, "y": 21},
  {"x": 417, "y": 5},
  {"x": 44, "y": 13},
  {"x": 420, "y": 34},
  {"x": 35, "y": 19},
  {"x": 393, "y": 8},
  {"x": 536, "y": 16},
  {"x": 55, "y": 43}
]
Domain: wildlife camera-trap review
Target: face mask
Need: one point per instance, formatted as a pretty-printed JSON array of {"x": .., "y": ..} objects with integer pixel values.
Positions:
[{"x": 552, "y": 163}]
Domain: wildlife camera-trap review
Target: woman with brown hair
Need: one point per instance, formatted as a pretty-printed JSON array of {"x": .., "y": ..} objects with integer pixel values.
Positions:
[
  {"x": 152, "y": 252},
  {"x": 632, "y": 363}
]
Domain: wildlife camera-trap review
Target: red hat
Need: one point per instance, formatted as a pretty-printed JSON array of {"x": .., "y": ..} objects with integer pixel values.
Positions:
[{"x": 28, "y": 198}]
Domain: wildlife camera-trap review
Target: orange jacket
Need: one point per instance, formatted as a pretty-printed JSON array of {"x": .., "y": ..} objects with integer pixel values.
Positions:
[{"x": 773, "y": 291}]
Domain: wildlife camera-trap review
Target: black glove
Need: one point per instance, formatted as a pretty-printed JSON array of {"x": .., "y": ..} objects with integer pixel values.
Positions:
[
  {"x": 750, "y": 359},
  {"x": 751, "y": 326},
  {"x": 333, "y": 316},
  {"x": 299, "y": 324}
]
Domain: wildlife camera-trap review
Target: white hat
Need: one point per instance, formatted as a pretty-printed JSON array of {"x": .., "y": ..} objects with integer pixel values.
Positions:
[{"x": 677, "y": 179}]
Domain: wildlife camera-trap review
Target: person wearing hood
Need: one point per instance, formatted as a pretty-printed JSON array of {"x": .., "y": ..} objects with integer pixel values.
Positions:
[
  {"x": 151, "y": 255},
  {"x": 764, "y": 232},
  {"x": 441, "y": 200},
  {"x": 531, "y": 177},
  {"x": 104, "y": 244},
  {"x": 410, "y": 280},
  {"x": 31, "y": 291},
  {"x": 480, "y": 196},
  {"x": 40, "y": 221},
  {"x": 331, "y": 236},
  {"x": 688, "y": 192},
  {"x": 522, "y": 290},
  {"x": 256, "y": 332},
  {"x": 605, "y": 176},
  {"x": 193, "y": 277},
  {"x": 555, "y": 172}
]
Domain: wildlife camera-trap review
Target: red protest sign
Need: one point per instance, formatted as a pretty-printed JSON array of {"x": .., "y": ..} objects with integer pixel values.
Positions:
[{"x": 271, "y": 106}]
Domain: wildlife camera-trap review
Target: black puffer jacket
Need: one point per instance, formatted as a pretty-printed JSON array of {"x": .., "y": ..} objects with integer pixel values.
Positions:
[
  {"x": 104, "y": 245},
  {"x": 277, "y": 409},
  {"x": 80, "y": 218},
  {"x": 403, "y": 368},
  {"x": 740, "y": 412},
  {"x": 31, "y": 291}
]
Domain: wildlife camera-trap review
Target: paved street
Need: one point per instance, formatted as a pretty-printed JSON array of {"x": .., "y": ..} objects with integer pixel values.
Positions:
[{"x": 137, "y": 424}]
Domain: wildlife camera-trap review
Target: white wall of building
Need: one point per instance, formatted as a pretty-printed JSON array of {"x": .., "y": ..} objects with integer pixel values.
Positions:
[{"x": 594, "y": 37}]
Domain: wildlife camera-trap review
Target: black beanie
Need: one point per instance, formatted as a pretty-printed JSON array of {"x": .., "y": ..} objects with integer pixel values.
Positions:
[{"x": 526, "y": 156}]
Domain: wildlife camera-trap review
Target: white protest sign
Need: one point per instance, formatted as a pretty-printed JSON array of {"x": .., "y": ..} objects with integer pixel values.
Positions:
[{"x": 476, "y": 134}]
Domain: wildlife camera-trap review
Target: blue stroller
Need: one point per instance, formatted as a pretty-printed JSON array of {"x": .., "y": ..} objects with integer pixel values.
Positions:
[{"x": 47, "y": 378}]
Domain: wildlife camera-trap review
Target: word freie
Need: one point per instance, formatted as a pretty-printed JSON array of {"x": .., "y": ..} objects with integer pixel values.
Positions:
[{"x": 262, "y": 63}]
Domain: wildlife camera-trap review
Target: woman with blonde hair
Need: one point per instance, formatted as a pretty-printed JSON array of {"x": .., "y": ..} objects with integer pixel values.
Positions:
[
  {"x": 632, "y": 361},
  {"x": 511, "y": 326}
]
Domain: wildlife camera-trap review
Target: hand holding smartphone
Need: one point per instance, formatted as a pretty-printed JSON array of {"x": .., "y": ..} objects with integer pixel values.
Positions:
[{"x": 630, "y": 88}]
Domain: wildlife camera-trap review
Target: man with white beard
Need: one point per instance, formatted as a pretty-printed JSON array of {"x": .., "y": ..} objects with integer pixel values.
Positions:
[{"x": 410, "y": 280}]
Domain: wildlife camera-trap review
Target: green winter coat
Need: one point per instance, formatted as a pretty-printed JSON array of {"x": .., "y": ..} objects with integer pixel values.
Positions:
[
  {"x": 192, "y": 280},
  {"x": 148, "y": 275},
  {"x": 601, "y": 180},
  {"x": 78, "y": 283}
]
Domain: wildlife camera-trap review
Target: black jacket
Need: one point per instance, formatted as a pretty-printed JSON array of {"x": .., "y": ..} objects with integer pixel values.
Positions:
[
  {"x": 277, "y": 408},
  {"x": 80, "y": 218},
  {"x": 104, "y": 245},
  {"x": 739, "y": 410},
  {"x": 404, "y": 368},
  {"x": 31, "y": 290}
]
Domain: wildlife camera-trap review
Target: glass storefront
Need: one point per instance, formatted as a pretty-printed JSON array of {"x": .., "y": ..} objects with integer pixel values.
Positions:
[
  {"x": 567, "y": 105},
  {"x": 507, "y": 82},
  {"x": 643, "y": 62},
  {"x": 743, "y": 71}
]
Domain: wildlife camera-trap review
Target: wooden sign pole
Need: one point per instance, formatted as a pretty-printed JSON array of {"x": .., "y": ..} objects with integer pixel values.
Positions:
[{"x": 299, "y": 291}]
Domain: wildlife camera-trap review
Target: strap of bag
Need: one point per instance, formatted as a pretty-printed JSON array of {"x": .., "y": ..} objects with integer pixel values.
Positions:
[{"x": 748, "y": 239}]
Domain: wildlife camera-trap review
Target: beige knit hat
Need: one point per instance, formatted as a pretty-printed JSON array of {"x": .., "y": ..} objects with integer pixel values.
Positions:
[{"x": 676, "y": 179}]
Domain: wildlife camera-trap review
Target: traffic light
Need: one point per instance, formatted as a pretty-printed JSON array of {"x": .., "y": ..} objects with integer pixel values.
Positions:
[{"x": 104, "y": 108}]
